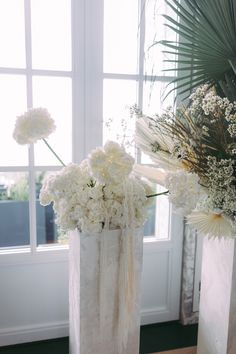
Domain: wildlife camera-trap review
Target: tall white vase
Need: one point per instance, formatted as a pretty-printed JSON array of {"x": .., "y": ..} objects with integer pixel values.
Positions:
[
  {"x": 96, "y": 301},
  {"x": 217, "y": 317}
]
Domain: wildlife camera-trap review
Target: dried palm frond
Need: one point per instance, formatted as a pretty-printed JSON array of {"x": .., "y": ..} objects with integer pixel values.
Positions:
[{"x": 212, "y": 224}]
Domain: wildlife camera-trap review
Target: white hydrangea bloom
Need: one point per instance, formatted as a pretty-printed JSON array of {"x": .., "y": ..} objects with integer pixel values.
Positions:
[
  {"x": 33, "y": 125},
  {"x": 185, "y": 190},
  {"x": 46, "y": 195},
  {"x": 111, "y": 163}
]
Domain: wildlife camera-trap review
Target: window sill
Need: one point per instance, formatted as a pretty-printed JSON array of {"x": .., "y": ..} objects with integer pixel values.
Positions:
[{"x": 44, "y": 254}]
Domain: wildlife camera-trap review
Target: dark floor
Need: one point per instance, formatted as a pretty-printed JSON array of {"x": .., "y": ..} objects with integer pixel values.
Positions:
[
  {"x": 166, "y": 336},
  {"x": 153, "y": 338}
]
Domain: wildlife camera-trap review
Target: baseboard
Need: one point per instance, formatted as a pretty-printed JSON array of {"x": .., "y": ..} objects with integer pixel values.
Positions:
[
  {"x": 156, "y": 315},
  {"x": 25, "y": 334},
  {"x": 43, "y": 331}
]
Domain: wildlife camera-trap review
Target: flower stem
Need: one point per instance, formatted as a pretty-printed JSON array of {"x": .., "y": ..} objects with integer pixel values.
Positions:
[
  {"x": 157, "y": 194},
  {"x": 50, "y": 148}
]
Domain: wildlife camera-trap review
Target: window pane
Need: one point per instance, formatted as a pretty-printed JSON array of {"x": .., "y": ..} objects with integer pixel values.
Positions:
[
  {"x": 154, "y": 102},
  {"x": 156, "y": 31},
  {"x": 51, "y": 34},
  {"x": 119, "y": 96},
  {"x": 14, "y": 209},
  {"x": 12, "y": 33},
  {"x": 157, "y": 224},
  {"x": 120, "y": 36},
  {"x": 47, "y": 231},
  {"x": 13, "y": 103},
  {"x": 162, "y": 214},
  {"x": 54, "y": 93},
  {"x": 154, "y": 97},
  {"x": 150, "y": 224}
]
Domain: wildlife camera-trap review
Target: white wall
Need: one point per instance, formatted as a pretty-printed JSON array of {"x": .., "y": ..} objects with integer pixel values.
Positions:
[{"x": 33, "y": 299}]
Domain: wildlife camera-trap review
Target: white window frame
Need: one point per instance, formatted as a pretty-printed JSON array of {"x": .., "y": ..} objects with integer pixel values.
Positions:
[
  {"x": 32, "y": 252},
  {"x": 87, "y": 102}
]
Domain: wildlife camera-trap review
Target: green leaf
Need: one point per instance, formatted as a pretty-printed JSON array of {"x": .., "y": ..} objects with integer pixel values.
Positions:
[{"x": 207, "y": 45}]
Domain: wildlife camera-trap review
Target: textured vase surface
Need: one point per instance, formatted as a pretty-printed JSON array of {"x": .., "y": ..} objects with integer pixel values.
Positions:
[
  {"x": 217, "y": 317},
  {"x": 94, "y": 293}
]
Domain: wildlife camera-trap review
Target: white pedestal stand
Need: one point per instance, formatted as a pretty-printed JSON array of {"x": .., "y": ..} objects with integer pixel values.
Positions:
[
  {"x": 94, "y": 295},
  {"x": 217, "y": 319}
]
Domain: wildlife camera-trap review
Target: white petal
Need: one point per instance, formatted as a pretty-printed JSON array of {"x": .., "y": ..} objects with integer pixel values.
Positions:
[{"x": 156, "y": 175}]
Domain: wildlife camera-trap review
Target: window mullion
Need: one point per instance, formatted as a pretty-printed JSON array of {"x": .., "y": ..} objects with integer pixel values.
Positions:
[
  {"x": 78, "y": 79},
  {"x": 94, "y": 15},
  {"x": 139, "y": 76},
  {"x": 29, "y": 89},
  {"x": 141, "y": 56}
]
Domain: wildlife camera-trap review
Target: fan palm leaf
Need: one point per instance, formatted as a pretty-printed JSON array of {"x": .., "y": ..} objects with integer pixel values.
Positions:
[{"x": 207, "y": 44}]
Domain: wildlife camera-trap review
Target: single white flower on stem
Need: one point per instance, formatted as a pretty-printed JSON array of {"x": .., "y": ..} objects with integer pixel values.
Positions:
[{"x": 33, "y": 125}]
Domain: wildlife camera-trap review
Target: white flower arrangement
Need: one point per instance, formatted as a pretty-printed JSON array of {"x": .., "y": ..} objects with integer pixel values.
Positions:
[
  {"x": 196, "y": 150},
  {"x": 100, "y": 193},
  {"x": 93, "y": 196}
]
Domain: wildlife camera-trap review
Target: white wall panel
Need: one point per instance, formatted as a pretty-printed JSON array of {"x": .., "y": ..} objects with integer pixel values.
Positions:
[{"x": 33, "y": 301}]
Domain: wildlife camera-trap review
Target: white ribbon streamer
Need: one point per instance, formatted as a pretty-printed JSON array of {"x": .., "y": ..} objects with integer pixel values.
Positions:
[
  {"x": 126, "y": 273},
  {"x": 102, "y": 284},
  {"x": 126, "y": 276},
  {"x": 126, "y": 290}
]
